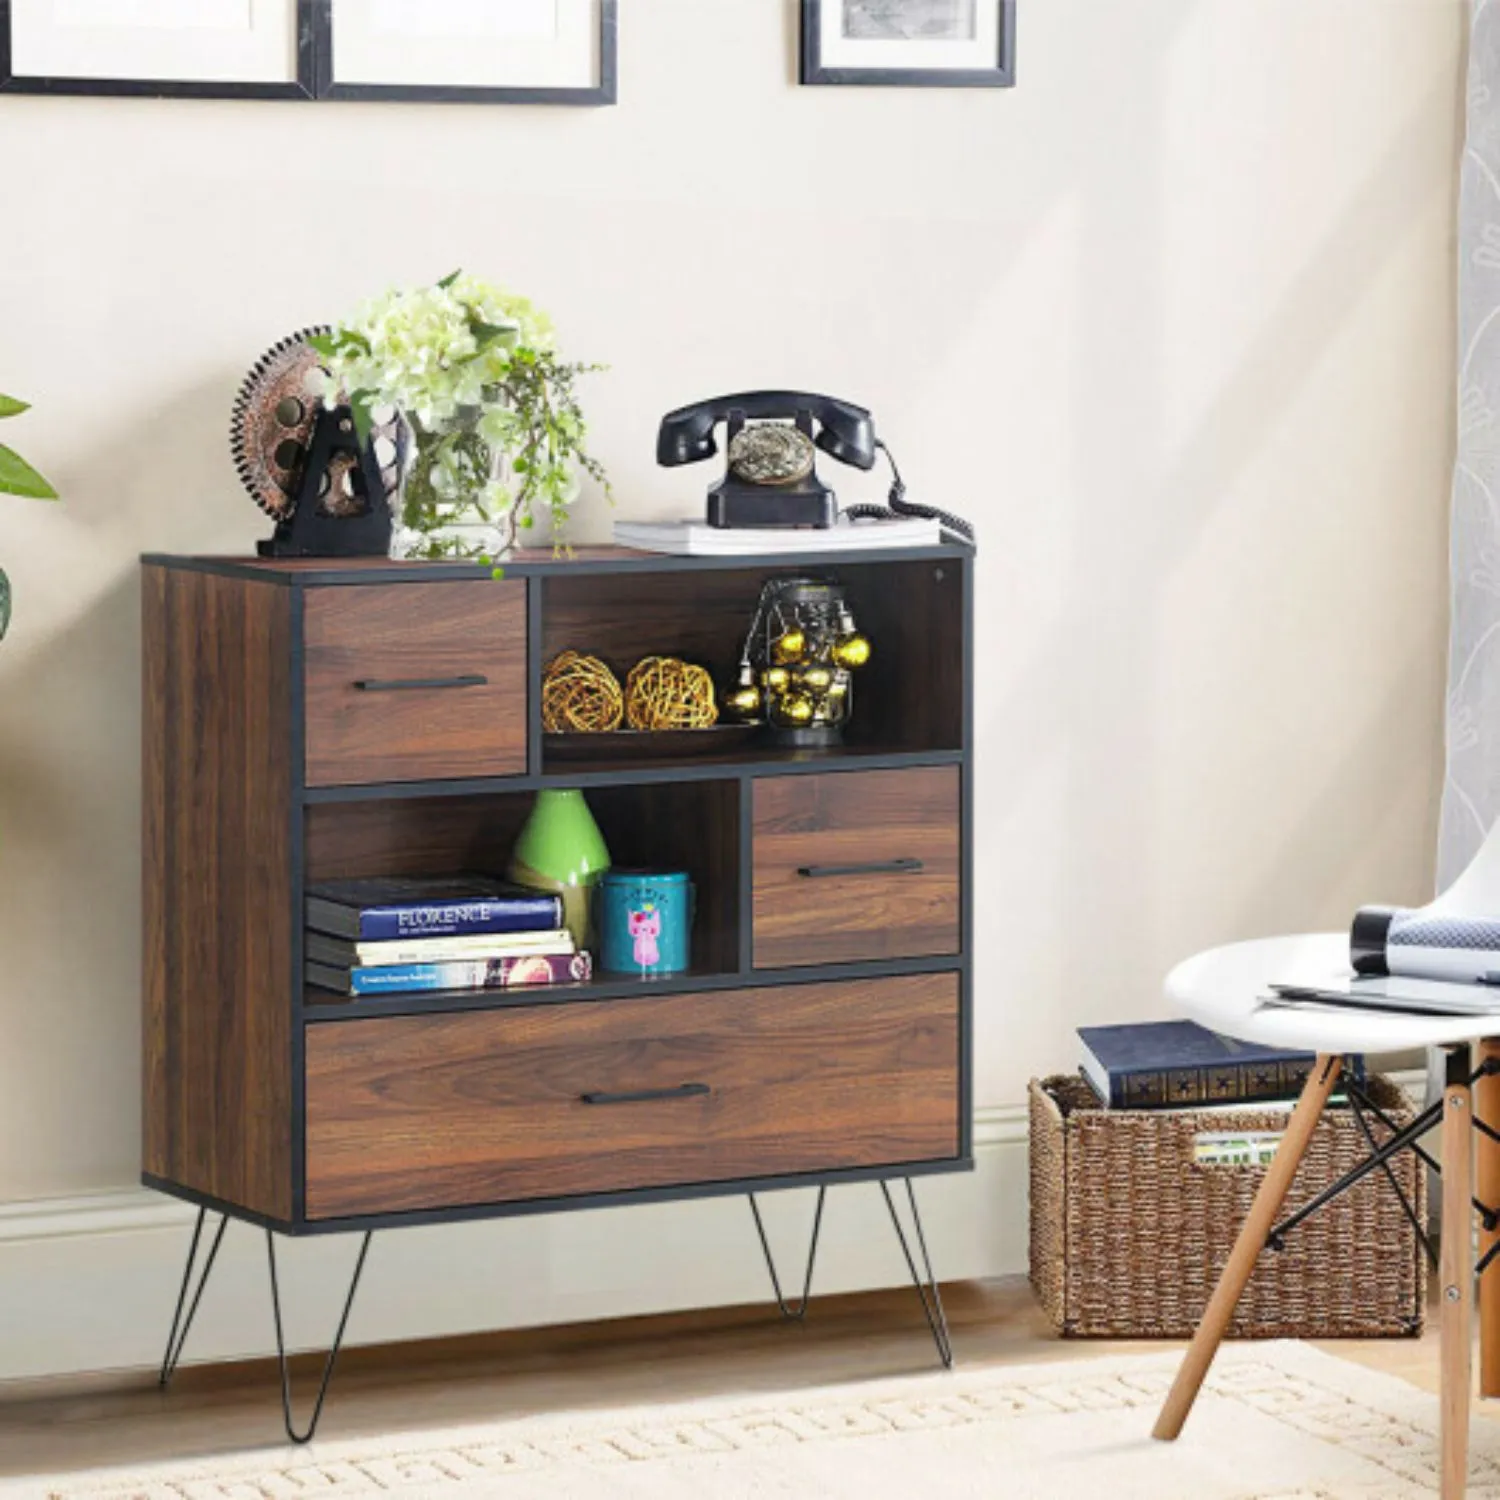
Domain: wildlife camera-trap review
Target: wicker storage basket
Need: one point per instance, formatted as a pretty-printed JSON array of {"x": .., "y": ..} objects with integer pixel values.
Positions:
[{"x": 1129, "y": 1231}]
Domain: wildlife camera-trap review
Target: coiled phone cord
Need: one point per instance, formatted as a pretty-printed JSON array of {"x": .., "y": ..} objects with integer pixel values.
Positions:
[{"x": 897, "y": 505}]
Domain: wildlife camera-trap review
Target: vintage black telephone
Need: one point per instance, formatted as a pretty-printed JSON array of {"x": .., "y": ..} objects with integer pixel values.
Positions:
[{"x": 771, "y": 476}]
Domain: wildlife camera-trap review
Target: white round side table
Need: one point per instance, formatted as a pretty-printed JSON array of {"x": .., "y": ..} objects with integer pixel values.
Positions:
[{"x": 1223, "y": 990}]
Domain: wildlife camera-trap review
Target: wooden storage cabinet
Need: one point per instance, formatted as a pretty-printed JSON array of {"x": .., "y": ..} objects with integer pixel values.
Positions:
[
  {"x": 308, "y": 720},
  {"x": 435, "y": 1111}
]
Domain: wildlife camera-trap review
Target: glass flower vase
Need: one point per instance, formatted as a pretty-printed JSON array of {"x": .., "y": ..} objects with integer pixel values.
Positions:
[{"x": 454, "y": 500}]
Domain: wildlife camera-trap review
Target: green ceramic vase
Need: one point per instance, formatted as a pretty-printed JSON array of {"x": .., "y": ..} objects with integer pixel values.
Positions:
[{"x": 561, "y": 849}]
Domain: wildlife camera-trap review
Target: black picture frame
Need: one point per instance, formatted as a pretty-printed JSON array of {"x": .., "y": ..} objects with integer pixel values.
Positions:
[
  {"x": 314, "y": 79},
  {"x": 1001, "y": 76},
  {"x": 602, "y": 93},
  {"x": 169, "y": 88}
]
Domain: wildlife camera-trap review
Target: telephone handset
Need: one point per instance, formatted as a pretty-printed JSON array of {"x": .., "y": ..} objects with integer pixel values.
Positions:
[{"x": 771, "y": 477}]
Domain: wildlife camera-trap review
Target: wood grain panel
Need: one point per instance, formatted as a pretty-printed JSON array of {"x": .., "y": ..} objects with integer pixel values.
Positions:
[
  {"x": 911, "y": 694},
  {"x": 216, "y": 887},
  {"x": 414, "y": 835},
  {"x": 423, "y": 1112},
  {"x": 701, "y": 617},
  {"x": 854, "y": 818},
  {"x": 692, "y": 826},
  {"x": 415, "y": 632}
]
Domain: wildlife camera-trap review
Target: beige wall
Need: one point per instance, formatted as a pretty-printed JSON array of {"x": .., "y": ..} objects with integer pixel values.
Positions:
[{"x": 1171, "y": 321}]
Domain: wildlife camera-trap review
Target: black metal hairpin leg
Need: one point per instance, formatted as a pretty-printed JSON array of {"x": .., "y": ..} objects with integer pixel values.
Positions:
[
  {"x": 333, "y": 1353},
  {"x": 799, "y": 1314},
  {"x": 927, "y": 1289},
  {"x": 177, "y": 1338}
]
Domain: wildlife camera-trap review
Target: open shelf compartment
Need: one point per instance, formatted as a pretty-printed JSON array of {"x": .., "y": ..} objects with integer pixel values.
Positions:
[
  {"x": 907, "y": 699},
  {"x": 690, "y": 825}
]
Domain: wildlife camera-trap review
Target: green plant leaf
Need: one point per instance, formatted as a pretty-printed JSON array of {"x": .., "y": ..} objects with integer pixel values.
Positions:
[
  {"x": 449, "y": 279},
  {"x": 4, "y": 604},
  {"x": 10, "y": 407},
  {"x": 325, "y": 343},
  {"x": 487, "y": 333},
  {"x": 360, "y": 403},
  {"x": 17, "y": 477}
]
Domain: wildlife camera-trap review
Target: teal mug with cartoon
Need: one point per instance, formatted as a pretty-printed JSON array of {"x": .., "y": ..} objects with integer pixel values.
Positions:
[{"x": 644, "y": 919}]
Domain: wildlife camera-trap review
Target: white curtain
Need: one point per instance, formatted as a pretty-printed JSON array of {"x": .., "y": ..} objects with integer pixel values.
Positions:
[{"x": 1471, "y": 791}]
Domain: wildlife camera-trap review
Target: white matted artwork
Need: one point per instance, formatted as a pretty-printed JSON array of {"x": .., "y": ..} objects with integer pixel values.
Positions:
[
  {"x": 243, "y": 48},
  {"x": 457, "y": 51},
  {"x": 542, "y": 51},
  {"x": 933, "y": 43}
]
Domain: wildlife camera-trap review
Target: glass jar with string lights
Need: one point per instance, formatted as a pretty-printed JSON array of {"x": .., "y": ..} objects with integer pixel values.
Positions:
[{"x": 798, "y": 662}]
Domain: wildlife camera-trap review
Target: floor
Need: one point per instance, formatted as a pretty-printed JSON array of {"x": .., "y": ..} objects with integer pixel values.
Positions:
[{"x": 78, "y": 1422}]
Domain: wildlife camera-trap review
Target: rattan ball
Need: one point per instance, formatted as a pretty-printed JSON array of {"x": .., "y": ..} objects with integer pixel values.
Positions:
[
  {"x": 580, "y": 695},
  {"x": 664, "y": 693}
]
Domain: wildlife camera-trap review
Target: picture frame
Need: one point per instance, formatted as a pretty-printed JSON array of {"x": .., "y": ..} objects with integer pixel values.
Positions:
[
  {"x": 52, "y": 47},
  {"x": 294, "y": 49},
  {"x": 417, "y": 65},
  {"x": 909, "y": 43}
]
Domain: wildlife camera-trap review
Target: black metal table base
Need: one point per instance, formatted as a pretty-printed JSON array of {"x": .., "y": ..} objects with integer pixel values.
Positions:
[
  {"x": 1401, "y": 1138},
  {"x": 923, "y": 1279},
  {"x": 189, "y": 1298}
]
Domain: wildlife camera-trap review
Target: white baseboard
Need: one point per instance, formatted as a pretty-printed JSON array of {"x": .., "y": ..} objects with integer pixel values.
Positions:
[{"x": 89, "y": 1282}]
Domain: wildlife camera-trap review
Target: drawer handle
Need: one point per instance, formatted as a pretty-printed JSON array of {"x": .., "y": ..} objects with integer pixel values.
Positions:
[
  {"x": 398, "y": 684},
  {"x": 642, "y": 1096},
  {"x": 873, "y": 867}
]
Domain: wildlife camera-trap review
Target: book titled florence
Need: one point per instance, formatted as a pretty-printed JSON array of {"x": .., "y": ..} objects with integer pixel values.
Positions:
[
  {"x": 391, "y": 907},
  {"x": 464, "y": 974},
  {"x": 1178, "y": 1064}
]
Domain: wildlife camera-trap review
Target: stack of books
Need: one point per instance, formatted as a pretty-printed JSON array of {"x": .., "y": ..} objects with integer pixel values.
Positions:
[
  {"x": 1181, "y": 1065},
  {"x": 394, "y": 935}
]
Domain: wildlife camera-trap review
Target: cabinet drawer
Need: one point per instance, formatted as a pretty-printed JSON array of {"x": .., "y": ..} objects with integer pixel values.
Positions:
[
  {"x": 856, "y": 865},
  {"x": 410, "y": 681},
  {"x": 548, "y": 1101}
]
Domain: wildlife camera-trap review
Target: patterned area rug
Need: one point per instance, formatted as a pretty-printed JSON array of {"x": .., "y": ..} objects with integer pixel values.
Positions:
[{"x": 1276, "y": 1422}]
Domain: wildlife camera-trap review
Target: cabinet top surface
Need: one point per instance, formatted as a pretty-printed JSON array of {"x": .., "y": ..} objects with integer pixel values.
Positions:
[{"x": 301, "y": 571}]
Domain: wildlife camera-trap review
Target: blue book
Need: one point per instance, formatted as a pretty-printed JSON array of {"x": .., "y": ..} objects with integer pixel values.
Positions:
[
  {"x": 385, "y": 908},
  {"x": 463, "y": 974},
  {"x": 1179, "y": 1064}
]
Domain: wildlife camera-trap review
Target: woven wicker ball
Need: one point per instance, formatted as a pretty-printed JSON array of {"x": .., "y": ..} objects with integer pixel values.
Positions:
[
  {"x": 580, "y": 695},
  {"x": 664, "y": 693}
]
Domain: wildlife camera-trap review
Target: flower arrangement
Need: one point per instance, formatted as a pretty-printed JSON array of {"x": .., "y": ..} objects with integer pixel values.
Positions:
[
  {"x": 17, "y": 477},
  {"x": 493, "y": 412}
]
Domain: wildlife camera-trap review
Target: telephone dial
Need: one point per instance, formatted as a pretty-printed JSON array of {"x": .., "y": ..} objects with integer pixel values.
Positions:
[{"x": 771, "y": 476}]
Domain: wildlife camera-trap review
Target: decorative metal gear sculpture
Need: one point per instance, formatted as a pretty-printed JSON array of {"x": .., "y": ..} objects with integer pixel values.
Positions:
[{"x": 269, "y": 433}]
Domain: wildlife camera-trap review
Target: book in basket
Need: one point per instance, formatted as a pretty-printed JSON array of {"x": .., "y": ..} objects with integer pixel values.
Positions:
[{"x": 1179, "y": 1064}]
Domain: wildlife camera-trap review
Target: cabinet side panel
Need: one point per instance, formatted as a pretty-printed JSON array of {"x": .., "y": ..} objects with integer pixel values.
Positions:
[{"x": 217, "y": 886}]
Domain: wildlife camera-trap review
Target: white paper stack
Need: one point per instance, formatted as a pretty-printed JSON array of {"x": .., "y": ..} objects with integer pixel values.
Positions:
[{"x": 697, "y": 539}]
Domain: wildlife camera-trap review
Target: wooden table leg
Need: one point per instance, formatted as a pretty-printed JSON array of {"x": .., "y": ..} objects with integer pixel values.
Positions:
[
  {"x": 1487, "y": 1190},
  {"x": 1457, "y": 1273},
  {"x": 1252, "y": 1240}
]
